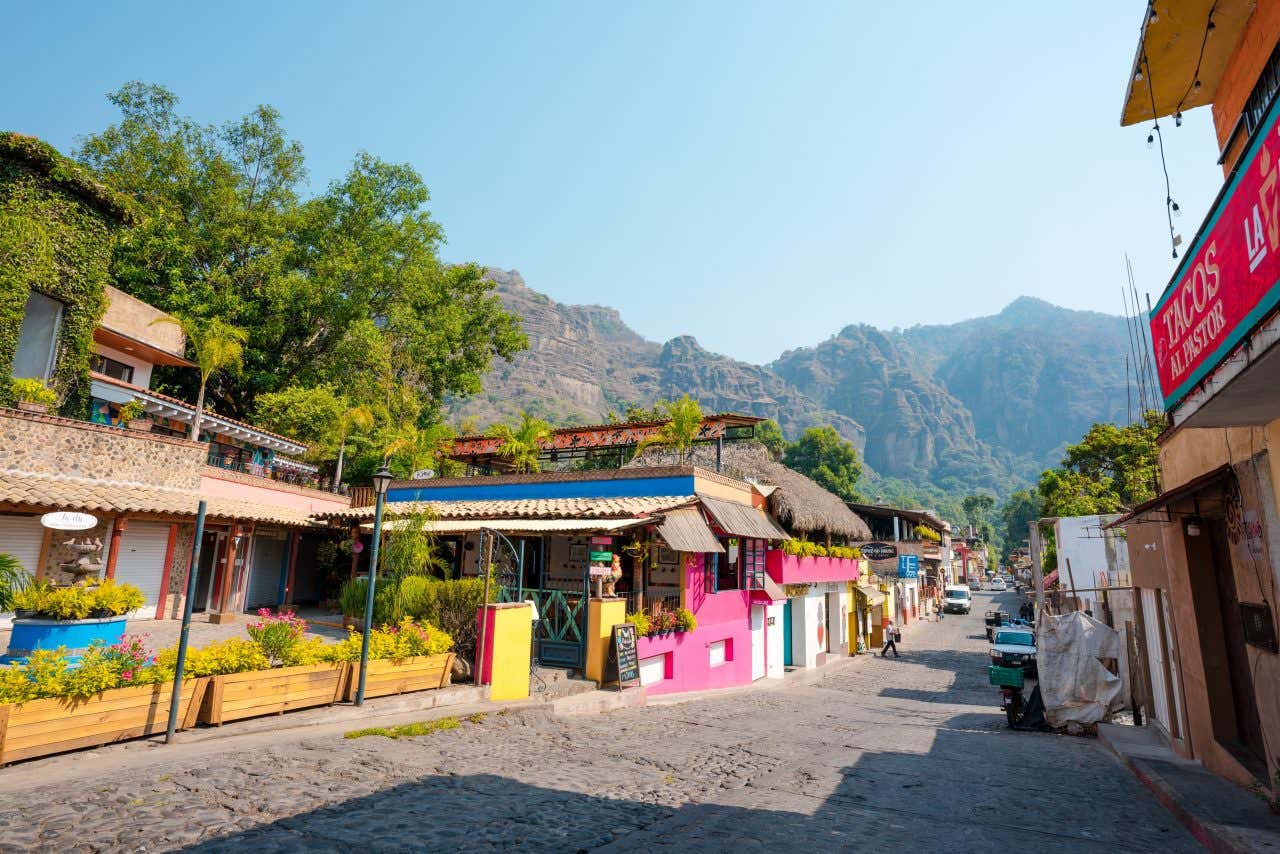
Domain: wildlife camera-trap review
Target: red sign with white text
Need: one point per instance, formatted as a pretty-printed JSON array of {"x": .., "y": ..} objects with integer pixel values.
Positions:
[{"x": 1228, "y": 280}]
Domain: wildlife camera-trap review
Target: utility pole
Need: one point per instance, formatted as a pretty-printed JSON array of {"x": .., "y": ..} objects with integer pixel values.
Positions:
[{"x": 1037, "y": 568}]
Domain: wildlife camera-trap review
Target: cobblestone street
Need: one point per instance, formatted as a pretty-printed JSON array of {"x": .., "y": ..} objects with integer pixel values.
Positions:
[{"x": 874, "y": 755}]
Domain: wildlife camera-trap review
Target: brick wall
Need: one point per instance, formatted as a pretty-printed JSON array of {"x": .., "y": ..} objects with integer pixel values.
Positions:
[
  {"x": 46, "y": 444},
  {"x": 1244, "y": 67}
]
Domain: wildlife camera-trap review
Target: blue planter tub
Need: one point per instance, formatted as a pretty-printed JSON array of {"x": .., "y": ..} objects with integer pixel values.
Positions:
[{"x": 76, "y": 635}]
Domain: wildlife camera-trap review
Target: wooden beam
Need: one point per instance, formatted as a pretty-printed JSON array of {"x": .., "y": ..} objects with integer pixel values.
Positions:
[
  {"x": 44, "y": 553},
  {"x": 296, "y": 538},
  {"x": 113, "y": 551},
  {"x": 168, "y": 569}
]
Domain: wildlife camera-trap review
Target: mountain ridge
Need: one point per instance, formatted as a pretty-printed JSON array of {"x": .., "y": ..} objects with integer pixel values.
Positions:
[{"x": 985, "y": 402}]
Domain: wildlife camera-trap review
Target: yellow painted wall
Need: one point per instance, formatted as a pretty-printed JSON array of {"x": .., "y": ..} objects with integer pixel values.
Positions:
[
  {"x": 602, "y": 616},
  {"x": 512, "y": 637}
]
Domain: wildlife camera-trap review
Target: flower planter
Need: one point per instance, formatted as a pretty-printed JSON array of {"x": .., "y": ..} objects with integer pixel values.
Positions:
[
  {"x": 56, "y": 725},
  {"x": 389, "y": 676},
  {"x": 142, "y": 425},
  {"x": 270, "y": 692},
  {"x": 31, "y": 406},
  {"x": 76, "y": 635}
]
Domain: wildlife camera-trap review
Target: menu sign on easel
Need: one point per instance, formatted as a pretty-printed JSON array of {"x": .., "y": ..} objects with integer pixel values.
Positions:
[{"x": 623, "y": 666}]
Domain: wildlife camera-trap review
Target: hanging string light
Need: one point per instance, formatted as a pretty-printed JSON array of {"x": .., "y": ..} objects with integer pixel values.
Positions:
[{"x": 1170, "y": 206}]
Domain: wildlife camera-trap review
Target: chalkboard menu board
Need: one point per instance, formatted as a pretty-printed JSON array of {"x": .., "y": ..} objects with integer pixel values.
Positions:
[{"x": 624, "y": 664}]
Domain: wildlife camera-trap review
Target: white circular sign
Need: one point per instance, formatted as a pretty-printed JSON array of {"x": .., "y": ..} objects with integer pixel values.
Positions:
[
  {"x": 65, "y": 520},
  {"x": 423, "y": 474}
]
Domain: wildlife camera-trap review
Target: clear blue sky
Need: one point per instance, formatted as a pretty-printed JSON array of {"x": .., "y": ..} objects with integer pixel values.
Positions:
[{"x": 757, "y": 175}]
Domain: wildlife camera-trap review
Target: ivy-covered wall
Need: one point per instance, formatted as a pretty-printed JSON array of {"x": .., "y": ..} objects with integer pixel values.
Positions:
[{"x": 56, "y": 232}]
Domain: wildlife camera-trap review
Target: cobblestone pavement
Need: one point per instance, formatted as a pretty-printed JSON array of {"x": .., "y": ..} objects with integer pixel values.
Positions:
[{"x": 876, "y": 754}]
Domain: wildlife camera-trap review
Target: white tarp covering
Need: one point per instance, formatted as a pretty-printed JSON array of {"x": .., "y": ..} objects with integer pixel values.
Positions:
[{"x": 1073, "y": 683}]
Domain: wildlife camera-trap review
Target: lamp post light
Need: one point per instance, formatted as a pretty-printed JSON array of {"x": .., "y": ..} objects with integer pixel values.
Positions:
[{"x": 381, "y": 480}]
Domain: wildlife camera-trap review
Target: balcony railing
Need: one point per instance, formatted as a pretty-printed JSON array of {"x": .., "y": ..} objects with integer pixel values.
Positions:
[
  {"x": 651, "y": 602},
  {"x": 232, "y": 462}
]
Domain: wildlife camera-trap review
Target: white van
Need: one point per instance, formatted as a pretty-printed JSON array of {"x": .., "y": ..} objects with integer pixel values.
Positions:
[{"x": 956, "y": 599}]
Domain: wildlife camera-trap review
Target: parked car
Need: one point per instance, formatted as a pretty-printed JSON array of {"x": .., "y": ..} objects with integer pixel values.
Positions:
[
  {"x": 996, "y": 584},
  {"x": 956, "y": 599},
  {"x": 974, "y": 584},
  {"x": 1014, "y": 647}
]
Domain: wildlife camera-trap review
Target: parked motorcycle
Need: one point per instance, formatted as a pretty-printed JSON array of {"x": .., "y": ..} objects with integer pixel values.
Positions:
[{"x": 1011, "y": 702}]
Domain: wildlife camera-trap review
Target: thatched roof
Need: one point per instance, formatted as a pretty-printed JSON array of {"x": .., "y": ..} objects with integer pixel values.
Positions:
[{"x": 797, "y": 501}]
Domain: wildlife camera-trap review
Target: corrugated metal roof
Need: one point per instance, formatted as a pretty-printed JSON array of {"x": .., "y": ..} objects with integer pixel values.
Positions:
[
  {"x": 684, "y": 530},
  {"x": 741, "y": 520}
]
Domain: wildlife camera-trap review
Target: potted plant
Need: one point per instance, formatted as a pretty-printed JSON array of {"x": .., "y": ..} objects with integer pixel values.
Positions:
[
  {"x": 134, "y": 416},
  {"x": 33, "y": 395},
  {"x": 72, "y": 617},
  {"x": 685, "y": 621},
  {"x": 57, "y": 702}
]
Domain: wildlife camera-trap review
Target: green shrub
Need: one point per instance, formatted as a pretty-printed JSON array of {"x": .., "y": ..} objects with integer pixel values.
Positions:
[
  {"x": 79, "y": 601},
  {"x": 641, "y": 622},
  {"x": 235, "y": 655},
  {"x": 277, "y": 634},
  {"x": 132, "y": 411},
  {"x": 403, "y": 640},
  {"x": 115, "y": 598},
  {"x": 685, "y": 621},
  {"x": 13, "y": 580},
  {"x": 351, "y": 597},
  {"x": 30, "y": 390}
]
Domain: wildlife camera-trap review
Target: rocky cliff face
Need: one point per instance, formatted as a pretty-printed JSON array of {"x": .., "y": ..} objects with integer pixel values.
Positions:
[{"x": 984, "y": 402}]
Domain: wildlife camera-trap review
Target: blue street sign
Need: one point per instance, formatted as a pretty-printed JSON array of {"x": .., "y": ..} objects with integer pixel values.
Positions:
[{"x": 908, "y": 566}]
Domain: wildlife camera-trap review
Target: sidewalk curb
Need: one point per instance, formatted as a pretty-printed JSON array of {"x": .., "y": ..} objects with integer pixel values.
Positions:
[{"x": 1214, "y": 837}]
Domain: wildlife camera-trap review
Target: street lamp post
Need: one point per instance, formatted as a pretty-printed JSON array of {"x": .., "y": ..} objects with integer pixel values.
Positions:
[{"x": 381, "y": 480}]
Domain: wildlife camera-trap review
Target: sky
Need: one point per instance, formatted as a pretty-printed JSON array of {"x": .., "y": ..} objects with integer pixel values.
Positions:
[{"x": 758, "y": 175}]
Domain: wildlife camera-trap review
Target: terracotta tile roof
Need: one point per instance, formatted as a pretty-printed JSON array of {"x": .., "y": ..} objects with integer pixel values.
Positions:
[
  {"x": 75, "y": 493},
  {"x": 527, "y": 508}
]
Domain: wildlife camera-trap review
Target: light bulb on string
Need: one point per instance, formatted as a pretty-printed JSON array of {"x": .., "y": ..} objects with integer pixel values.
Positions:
[
  {"x": 1173, "y": 206},
  {"x": 1196, "y": 86},
  {"x": 1177, "y": 119},
  {"x": 1153, "y": 17},
  {"x": 1151, "y": 140},
  {"x": 1137, "y": 77}
]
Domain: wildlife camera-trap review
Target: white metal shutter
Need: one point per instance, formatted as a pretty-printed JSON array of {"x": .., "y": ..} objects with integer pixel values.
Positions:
[
  {"x": 22, "y": 536},
  {"x": 140, "y": 561},
  {"x": 264, "y": 581}
]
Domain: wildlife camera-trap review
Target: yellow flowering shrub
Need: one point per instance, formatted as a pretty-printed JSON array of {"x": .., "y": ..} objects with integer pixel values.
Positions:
[{"x": 404, "y": 640}]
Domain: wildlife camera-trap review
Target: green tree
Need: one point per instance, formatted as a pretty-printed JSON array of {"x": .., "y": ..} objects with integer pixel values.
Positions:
[
  {"x": 1018, "y": 511},
  {"x": 217, "y": 347},
  {"x": 831, "y": 461},
  {"x": 977, "y": 512},
  {"x": 683, "y": 425},
  {"x": 522, "y": 445},
  {"x": 343, "y": 282},
  {"x": 769, "y": 434},
  {"x": 1111, "y": 469}
]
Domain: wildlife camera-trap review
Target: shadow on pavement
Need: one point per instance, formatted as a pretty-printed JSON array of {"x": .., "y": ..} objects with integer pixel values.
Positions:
[{"x": 950, "y": 793}]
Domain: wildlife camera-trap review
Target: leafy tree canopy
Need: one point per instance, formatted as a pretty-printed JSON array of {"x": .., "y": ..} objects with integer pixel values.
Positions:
[
  {"x": 1110, "y": 470},
  {"x": 769, "y": 434},
  {"x": 827, "y": 458},
  {"x": 1017, "y": 512},
  {"x": 344, "y": 284},
  {"x": 522, "y": 445}
]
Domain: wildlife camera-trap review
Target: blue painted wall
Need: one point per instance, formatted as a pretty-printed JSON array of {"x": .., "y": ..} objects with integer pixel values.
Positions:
[{"x": 483, "y": 491}]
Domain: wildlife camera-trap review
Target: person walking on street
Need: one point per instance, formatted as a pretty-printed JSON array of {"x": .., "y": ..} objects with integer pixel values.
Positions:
[
  {"x": 890, "y": 640},
  {"x": 937, "y": 609}
]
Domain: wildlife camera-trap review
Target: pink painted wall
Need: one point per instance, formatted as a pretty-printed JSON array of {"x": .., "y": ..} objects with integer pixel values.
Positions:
[
  {"x": 789, "y": 569},
  {"x": 722, "y": 616},
  {"x": 312, "y": 502}
]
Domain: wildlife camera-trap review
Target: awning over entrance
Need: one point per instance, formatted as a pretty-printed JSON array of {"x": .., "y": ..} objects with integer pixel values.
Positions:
[
  {"x": 741, "y": 520},
  {"x": 684, "y": 530},
  {"x": 871, "y": 594},
  {"x": 515, "y": 526},
  {"x": 1166, "y": 498},
  {"x": 772, "y": 592}
]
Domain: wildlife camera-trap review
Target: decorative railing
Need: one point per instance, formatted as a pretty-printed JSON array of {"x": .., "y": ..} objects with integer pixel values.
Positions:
[{"x": 236, "y": 463}]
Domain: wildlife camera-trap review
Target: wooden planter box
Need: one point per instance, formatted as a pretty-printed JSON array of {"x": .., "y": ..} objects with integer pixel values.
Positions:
[
  {"x": 271, "y": 692},
  {"x": 56, "y": 725},
  {"x": 388, "y": 676}
]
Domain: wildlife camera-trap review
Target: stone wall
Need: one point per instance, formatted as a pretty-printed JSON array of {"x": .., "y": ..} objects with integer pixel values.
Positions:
[{"x": 47, "y": 444}]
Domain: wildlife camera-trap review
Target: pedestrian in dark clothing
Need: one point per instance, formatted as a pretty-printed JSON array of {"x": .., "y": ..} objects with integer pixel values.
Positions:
[
  {"x": 937, "y": 609},
  {"x": 890, "y": 640}
]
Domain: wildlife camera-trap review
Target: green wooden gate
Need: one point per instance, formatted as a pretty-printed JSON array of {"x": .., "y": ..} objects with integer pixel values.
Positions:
[{"x": 561, "y": 630}]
